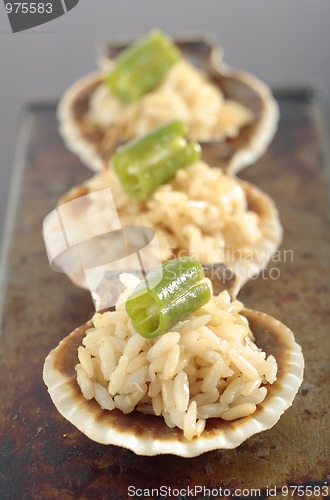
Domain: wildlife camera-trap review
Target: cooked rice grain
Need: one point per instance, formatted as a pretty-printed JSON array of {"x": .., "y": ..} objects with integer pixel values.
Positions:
[
  {"x": 189, "y": 216},
  {"x": 203, "y": 368},
  {"x": 186, "y": 94}
]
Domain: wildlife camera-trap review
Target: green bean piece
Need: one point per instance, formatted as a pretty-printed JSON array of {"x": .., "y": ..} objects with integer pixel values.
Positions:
[
  {"x": 167, "y": 295},
  {"x": 153, "y": 159},
  {"x": 141, "y": 67}
]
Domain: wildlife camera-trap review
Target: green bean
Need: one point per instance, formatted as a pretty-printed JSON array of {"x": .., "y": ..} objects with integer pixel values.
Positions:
[
  {"x": 141, "y": 67},
  {"x": 153, "y": 159},
  {"x": 167, "y": 295}
]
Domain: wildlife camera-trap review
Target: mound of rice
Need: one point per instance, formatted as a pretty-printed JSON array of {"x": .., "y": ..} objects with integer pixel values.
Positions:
[
  {"x": 186, "y": 94},
  {"x": 205, "y": 367},
  {"x": 209, "y": 220}
]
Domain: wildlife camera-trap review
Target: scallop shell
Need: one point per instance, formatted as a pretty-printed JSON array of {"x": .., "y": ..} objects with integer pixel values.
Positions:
[
  {"x": 149, "y": 435},
  {"x": 232, "y": 155},
  {"x": 244, "y": 269}
]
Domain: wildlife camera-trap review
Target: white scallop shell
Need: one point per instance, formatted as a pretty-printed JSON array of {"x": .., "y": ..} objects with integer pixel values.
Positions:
[
  {"x": 149, "y": 435},
  {"x": 236, "y": 84},
  {"x": 69, "y": 127}
]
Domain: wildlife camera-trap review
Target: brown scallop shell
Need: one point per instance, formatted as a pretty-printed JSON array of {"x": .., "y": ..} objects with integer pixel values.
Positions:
[
  {"x": 243, "y": 268},
  {"x": 149, "y": 435},
  {"x": 232, "y": 154}
]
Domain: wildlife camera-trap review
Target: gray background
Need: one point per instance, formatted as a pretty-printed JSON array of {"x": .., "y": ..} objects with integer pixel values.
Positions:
[{"x": 283, "y": 42}]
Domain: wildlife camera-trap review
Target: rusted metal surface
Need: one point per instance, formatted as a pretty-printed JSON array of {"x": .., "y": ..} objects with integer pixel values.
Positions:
[{"x": 41, "y": 454}]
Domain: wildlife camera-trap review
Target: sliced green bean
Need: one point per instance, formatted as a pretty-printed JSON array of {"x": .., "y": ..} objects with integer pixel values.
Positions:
[
  {"x": 141, "y": 67},
  {"x": 167, "y": 295},
  {"x": 152, "y": 160}
]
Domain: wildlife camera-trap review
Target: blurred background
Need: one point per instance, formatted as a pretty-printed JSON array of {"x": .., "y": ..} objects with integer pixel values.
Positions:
[{"x": 284, "y": 43}]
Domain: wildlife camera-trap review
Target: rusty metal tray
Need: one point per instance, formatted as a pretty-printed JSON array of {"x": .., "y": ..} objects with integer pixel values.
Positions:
[{"x": 43, "y": 456}]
